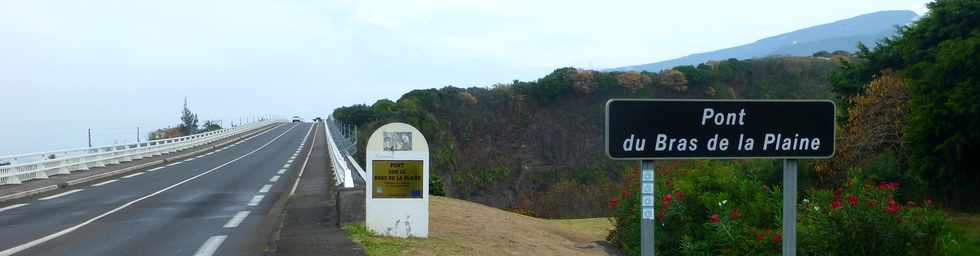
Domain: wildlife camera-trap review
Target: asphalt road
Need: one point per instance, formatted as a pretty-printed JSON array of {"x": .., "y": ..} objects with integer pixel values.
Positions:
[{"x": 220, "y": 203}]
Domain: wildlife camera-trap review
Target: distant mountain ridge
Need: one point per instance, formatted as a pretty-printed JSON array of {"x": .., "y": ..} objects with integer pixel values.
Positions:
[{"x": 839, "y": 35}]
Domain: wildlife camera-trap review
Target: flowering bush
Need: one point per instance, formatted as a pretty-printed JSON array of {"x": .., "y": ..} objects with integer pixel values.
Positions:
[
  {"x": 864, "y": 218},
  {"x": 722, "y": 207}
]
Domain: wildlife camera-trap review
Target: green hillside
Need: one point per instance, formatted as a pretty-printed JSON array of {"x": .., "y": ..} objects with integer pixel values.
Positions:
[{"x": 536, "y": 147}]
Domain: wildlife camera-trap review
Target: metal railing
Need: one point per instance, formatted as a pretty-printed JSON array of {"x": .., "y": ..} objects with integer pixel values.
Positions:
[
  {"x": 340, "y": 148},
  {"x": 42, "y": 165}
]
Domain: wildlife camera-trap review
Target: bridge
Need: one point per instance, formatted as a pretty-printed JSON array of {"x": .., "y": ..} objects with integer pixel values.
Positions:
[{"x": 223, "y": 192}]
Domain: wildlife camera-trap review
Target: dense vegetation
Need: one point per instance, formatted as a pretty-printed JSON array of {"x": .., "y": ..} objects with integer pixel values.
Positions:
[
  {"x": 937, "y": 58},
  {"x": 537, "y": 147}
]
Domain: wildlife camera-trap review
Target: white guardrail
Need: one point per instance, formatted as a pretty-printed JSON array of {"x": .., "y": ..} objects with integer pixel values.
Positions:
[
  {"x": 341, "y": 170},
  {"x": 26, "y": 167}
]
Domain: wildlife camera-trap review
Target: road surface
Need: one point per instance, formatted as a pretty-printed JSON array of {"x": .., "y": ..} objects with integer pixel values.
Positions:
[{"x": 219, "y": 203}]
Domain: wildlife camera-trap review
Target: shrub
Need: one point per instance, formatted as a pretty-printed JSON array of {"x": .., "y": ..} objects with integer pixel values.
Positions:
[{"x": 722, "y": 207}]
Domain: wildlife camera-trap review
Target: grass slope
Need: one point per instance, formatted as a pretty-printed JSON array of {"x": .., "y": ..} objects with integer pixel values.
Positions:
[{"x": 463, "y": 228}]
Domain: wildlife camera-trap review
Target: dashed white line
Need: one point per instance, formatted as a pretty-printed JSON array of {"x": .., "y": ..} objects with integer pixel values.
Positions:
[
  {"x": 292, "y": 157},
  {"x": 103, "y": 183},
  {"x": 285, "y": 166},
  {"x": 281, "y": 171},
  {"x": 237, "y": 219},
  {"x": 266, "y": 188},
  {"x": 133, "y": 175},
  {"x": 12, "y": 207},
  {"x": 255, "y": 200},
  {"x": 290, "y": 161},
  {"x": 274, "y": 178},
  {"x": 155, "y": 169},
  {"x": 60, "y": 195},
  {"x": 210, "y": 246}
]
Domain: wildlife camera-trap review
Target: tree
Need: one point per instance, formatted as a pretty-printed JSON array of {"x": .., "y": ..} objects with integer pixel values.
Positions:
[
  {"x": 188, "y": 120},
  {"x": 632, "y": 80},
  {"x": 673, "y": 79},
  {"x": 938, "y": 56},
  {"x": 877, "y": 119},
  {"x": 210, "y": 125}
]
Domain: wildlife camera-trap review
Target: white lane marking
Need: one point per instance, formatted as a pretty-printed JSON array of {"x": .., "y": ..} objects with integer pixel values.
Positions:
[
  {"x": 155, "y": 169},
  {"x": 292, "y": 157},
  {"x": 237, "y": 219},
  {"x": 255, "y": 200},
  {"x": 210, "y": 246},
  {"x": 303, "y": 168},
  {"x": 281, "y": 171},
  {"x": 28, "y": 245},
  {"x": 12, "y": 207},
  {"x": 133, "y": 175},
  {"x": 103, "y": 183},
  {"x": 173, "y": 164},
  {"x": 290, "y": 161},
  {"x": 285, "y": 166},
  {"x": 60, "y": 195},
  {"x": 265, "y": 189},
  {"x": 274, "y": 178}
]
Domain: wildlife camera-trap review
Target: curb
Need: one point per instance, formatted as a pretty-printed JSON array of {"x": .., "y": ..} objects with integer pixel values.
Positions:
[{"x": 74, "y": 182}]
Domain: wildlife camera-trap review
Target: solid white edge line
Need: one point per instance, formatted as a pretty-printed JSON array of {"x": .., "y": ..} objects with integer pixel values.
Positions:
[
  {"x": 103, "y": 183},
  {"x": 133, "y": 175},
  {"x": 305, "y": 162},
  {"x": 274, "y": 178},
  {"x": 12, "y": 207},
  {"x": 28, "y": 245},
  {"x": 210, "y": 246},
  {"x": 237, "y": 219},
  {"x": 60, "y": 195},
  {"x": 256, "y": 200},
  {"x": 265, "y": 188}
]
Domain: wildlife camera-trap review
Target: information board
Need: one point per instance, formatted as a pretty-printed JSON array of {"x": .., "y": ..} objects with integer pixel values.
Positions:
[
  {"x": 397, "y": 179},
  {"x": 684, "y": 129}
]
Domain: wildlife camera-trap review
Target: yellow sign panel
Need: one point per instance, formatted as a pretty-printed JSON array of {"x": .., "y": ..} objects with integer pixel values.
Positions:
[{"x": 397, "y": 179}]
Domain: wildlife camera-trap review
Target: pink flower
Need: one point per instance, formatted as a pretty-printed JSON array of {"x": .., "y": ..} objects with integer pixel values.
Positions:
[
  {"x": 893, "y": 206},
  {"x": 715, "y": 218},
  {"x": 668, "y": 198},
  {"x": 853, "y": 200},
  {"x": 613, "y": 202},
  {"x": 680, "y": 195},
  {"x": 735, "y": 214},
  {"x": 777, "y": 238},
  {"x": 888, "y": 186},
  {"x": 835, "y": 204}
]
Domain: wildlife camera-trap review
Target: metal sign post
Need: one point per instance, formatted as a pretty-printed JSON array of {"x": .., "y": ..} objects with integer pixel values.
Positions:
[
  {"x": 647, "y": 239},
  {"x": 789, "y": 207}
]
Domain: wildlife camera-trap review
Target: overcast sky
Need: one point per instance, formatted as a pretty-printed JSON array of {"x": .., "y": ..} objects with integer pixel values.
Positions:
[{"x": 66, "y": 66}]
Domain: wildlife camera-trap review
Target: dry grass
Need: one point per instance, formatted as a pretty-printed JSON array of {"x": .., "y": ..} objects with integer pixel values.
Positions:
[{"x": 463, "y": 228}]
